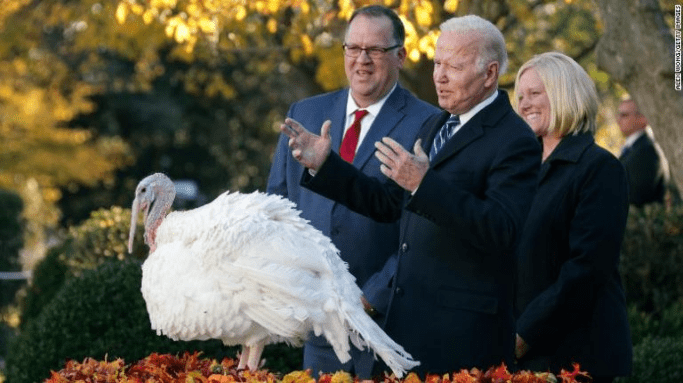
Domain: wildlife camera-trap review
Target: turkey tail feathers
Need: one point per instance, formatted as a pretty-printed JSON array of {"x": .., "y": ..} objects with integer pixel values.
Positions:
[{"x": 395, "y": 357}]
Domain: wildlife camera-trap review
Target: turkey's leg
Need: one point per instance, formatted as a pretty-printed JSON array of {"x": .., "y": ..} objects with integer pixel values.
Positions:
[
  {"x": 255, "y": 352},
  {"x": 244, "y": 357}
]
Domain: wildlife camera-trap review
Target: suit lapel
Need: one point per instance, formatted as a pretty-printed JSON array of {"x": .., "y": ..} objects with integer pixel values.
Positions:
[
  {"x": 338, "y": 118},
  {"x": 468, "y": 133},
  {"x": 472, "y": 130},
  {"x": 386, "y": 121}
]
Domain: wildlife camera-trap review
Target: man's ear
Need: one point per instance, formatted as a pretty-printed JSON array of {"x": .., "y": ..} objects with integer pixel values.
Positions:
[
  {"x": 491, "y": 74},
  {"x": 402, "y": 54}
]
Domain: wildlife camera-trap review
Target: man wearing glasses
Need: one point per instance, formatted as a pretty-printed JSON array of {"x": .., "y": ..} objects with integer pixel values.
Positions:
[{"x": 373, "y": 106}]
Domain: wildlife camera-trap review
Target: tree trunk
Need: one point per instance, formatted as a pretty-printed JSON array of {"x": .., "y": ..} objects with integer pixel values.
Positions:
[{"x": 637, "y": 50}]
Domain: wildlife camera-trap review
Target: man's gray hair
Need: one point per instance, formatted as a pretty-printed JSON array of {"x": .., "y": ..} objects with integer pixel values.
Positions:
[{"x": 493, "y": 48}]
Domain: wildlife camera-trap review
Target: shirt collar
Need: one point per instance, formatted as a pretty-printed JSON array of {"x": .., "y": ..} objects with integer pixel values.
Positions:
[
  {"x": 373, "y": 109},
  {"x": 630, "y": 140},
  {"x": 477, "y": 108}
]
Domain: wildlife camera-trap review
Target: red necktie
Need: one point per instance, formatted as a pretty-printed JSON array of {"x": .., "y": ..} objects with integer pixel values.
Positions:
[{"x": 348, "y": 147}]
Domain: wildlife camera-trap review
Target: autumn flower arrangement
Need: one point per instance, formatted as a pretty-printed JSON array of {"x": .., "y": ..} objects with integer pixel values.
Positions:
[{"x": 191, "y": 368}]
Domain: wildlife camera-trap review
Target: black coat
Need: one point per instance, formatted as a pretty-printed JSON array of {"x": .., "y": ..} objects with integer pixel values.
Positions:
[
  {"x": 570, "y": 299},
  {"x": 452, "y": 290},
  {"x": 647, "y": 171}
]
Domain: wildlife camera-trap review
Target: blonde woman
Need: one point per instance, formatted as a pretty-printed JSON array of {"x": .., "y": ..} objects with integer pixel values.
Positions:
[{"x": 570, "y": 303}]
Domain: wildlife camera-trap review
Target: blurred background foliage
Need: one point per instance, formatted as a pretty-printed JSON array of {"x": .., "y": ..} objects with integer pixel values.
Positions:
[{"x": 95, "y": 95}]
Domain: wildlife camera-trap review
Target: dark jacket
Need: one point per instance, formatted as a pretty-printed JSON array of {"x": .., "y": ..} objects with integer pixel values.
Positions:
[
  {"x": 647, "y": 171},
  {"x": 451, "y": 302},
  {"x": 570, "y": 299}
]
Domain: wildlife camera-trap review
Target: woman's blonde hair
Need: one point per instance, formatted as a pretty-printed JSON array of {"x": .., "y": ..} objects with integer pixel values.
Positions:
[{"x": 571, "y": 92}]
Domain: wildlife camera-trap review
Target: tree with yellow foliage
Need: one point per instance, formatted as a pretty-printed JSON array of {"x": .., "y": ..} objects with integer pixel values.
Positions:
[{"x": 39, "y": 152}]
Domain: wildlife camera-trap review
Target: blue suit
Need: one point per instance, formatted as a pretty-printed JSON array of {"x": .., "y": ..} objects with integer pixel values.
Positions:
[
  {"x": 363, "y": 243},
  {"x": 453, "y": 286}
]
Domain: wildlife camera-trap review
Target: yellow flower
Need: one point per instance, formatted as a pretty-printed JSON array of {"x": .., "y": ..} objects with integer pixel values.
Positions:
[{"x": 298, "y": 377}]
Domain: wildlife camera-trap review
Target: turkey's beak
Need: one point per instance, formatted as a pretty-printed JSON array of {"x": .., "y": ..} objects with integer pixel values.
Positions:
[{"x": 133, "y": 224}]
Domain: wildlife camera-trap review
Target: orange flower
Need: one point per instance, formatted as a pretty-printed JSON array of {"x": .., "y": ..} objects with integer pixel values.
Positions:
[
  {"x": 498, "y": 374},
  {"x": 570, "y": 377}
]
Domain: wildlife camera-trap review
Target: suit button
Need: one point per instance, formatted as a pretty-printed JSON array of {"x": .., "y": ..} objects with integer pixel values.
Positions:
[
  {"x": 404, "y": 247},
  {"x": 399, "y": 291}
]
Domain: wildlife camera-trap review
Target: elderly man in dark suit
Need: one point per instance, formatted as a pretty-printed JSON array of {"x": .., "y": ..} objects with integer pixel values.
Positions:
[
  {"x": 373, "y": 56},
  {"x": 646, "y": 166},
  {"x": 461, "y": 198}
]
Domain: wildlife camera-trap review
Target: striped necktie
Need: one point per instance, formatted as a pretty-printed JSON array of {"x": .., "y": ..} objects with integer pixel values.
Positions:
[{"x": 447, "y": 131}]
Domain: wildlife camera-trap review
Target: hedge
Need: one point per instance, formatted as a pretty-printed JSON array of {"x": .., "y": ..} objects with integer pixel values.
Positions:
[
  {"x": 11, "y": 242},
  {"x": 657, "y": 360},
  {"x": 652, "y": 257},
  {"x": 102, "y": 237}
]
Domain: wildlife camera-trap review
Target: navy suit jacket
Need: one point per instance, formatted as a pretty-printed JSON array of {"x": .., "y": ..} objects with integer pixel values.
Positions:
[
  {"x": 570, "y": 299},
  {"x": 451, "y": 302},
  {"x": 363, "y": 243},
  {"x": 647, "y": 171}
]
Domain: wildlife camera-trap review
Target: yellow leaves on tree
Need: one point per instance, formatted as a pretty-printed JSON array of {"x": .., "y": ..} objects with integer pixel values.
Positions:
[
  {"x": 9, "y": 7},
  {"x": 450, "y": 6},
  {"x": 423, "y": 13},
  {"x": 189, "y": 21},
  {"x": 37, "y": 99}
]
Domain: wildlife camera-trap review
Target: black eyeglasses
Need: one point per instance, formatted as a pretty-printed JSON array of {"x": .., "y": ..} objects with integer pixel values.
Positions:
[{"x": 373, "y": 52}]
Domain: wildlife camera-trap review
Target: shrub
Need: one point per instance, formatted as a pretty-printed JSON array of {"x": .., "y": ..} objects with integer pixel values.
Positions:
[
  {"x": 103, "y": 236},
  {"x": 668, "y": 323},
  {"x": 657, "y": 360},
  {"x": 652, "y": 257},
  {"x": 48, "y": 277},
  {"x": 11, "y": 241}
]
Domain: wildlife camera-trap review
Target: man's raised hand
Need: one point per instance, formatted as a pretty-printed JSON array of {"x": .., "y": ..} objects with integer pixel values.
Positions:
[
  {"x": 406, "y": 169},
  {"x": 309, "y": 149}
]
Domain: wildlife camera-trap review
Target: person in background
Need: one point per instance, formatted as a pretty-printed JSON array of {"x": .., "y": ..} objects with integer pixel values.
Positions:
[
  {"x": 373, "y": 56},
  {"x": 570, "y": 302},
  {"x": 646, "y": 167},
  {"x": 461, "y": 198}
]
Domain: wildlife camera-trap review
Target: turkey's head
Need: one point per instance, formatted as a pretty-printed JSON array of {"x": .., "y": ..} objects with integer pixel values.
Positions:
[{"x": 154, "y": 196}]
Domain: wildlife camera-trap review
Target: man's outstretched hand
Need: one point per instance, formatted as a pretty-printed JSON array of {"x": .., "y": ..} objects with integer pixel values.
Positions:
[
  {"x": 309, "y": 149},
  {"x": 406, "y": 169}
]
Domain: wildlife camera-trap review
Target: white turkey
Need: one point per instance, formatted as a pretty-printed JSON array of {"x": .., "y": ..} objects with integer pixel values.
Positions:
[{"x": 248, "y": 270}]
